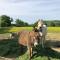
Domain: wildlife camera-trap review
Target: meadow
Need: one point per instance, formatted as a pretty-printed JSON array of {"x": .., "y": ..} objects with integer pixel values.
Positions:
[
  {"x": 17, "y": 29},
  {"x": 10, "y": 49}
]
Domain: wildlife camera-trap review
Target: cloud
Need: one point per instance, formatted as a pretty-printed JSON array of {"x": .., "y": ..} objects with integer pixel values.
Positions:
[
  {"x": 31, "y": 10},
  {"x": 15, "y": 1}
]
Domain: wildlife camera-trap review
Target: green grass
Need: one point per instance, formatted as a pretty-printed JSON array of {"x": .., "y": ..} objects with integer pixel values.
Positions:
[
  {"x": 53, "y": 29},
  {"x": 16, "y": 29},
  {"x": 42, "y": 54},
  {"x": 11, "y": 49}
]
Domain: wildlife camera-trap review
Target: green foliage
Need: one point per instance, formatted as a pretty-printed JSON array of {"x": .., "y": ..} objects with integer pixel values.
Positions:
[
  {"x": 5, "y": 21},
  {"x": 21, "y": 23},
  {"x": 52, "y": 23}
]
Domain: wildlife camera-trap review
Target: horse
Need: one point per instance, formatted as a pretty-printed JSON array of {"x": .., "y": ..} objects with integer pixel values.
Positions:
[
  {"x": 42, "y": 31},
  {"x": 29, "y": 39}
]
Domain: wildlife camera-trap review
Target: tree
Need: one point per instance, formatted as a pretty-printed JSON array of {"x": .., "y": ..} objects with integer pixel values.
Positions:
[
  {"x": 52, "y": 24},
  {"x": 21, "y": 23},
  {"x": 17, "y": 22},
  {"x": 5, "y": 21},
  {"x": 26, "y": 24}
]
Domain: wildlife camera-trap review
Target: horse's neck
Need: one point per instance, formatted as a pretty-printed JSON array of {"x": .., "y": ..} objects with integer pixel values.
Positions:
[{"x": 31, "y": 33}]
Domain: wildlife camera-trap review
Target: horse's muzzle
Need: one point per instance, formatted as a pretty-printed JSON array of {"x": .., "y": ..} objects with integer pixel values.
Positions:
[{"x": 35, "y": 44}]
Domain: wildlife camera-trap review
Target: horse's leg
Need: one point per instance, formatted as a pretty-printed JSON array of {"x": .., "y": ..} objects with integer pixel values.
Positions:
[
  {"x": 42, "y": 44},
  {"x": 30, "y": 53},
  {"x": 39, "y": 40},
  {"x": 43, "y": 41}
]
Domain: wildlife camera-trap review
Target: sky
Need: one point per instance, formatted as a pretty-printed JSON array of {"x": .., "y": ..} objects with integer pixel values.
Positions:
[{"x": 31, "y": 10}]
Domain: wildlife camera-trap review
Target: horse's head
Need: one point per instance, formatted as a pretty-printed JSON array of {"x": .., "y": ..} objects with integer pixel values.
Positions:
[
  {"x": 36, "y": 36},
  {"x": 40, "y": 23}
]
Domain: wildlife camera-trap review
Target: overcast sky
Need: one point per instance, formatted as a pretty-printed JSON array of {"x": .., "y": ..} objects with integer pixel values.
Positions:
[{"x": 31, "y": 10}]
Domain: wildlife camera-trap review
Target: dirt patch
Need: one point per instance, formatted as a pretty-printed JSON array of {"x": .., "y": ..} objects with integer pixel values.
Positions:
[
  {"x": 3, "y": 58},
  {"x": 4, "y": 36},
  {"x": 54, "y": 39},
  {"x": 56, "y": 49},
  {"x": 53, "y": 36}
]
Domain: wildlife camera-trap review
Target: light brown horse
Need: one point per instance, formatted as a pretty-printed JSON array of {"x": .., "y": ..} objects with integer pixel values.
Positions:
[{"x": 29, "y": 39}]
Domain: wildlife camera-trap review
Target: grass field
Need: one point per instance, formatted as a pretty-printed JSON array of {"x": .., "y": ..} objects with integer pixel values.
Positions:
[
  {"x": 16, "y": 29},
  {"x": 9, "y": 48}
]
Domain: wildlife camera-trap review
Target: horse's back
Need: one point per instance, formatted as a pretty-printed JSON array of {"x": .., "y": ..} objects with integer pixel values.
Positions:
[{"x": 24, "y": 37}]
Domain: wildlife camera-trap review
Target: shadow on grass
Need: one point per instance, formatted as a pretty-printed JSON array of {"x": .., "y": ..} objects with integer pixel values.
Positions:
[
  {"x": 52, "y": 43},
  {"x": 47, "y": 51},
  {"x": 11, "y": 49}
]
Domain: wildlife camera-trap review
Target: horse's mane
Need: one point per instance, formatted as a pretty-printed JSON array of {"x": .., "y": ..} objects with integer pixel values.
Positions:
[{"x": 35, "y": 29}]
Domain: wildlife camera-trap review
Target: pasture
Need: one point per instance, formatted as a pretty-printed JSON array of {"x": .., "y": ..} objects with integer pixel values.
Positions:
[
  {"x": 10, "y": 49},
  {"x": 16, "y": 29}
]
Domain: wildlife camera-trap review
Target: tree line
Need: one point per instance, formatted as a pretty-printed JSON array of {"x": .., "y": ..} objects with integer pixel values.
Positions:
[{"x": 6, "y": 21}]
